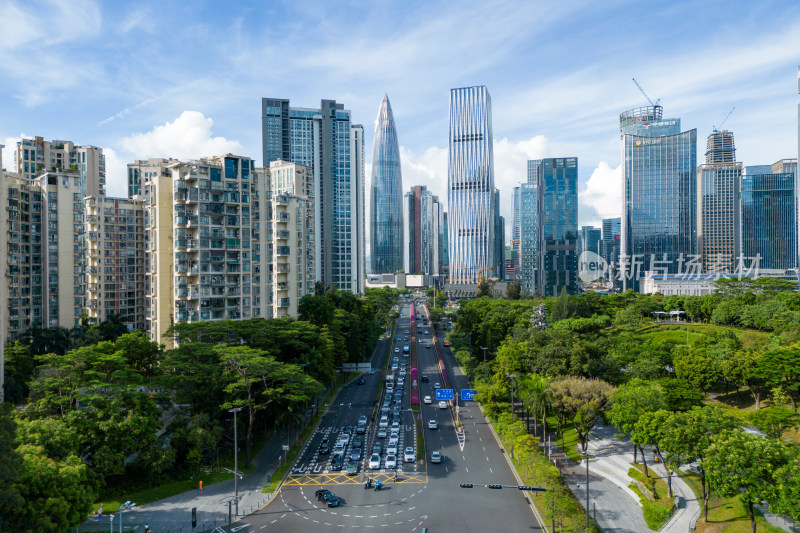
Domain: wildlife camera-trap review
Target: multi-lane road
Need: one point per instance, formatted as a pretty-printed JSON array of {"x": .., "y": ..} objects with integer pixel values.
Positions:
[{"x": 415, "y": 495}]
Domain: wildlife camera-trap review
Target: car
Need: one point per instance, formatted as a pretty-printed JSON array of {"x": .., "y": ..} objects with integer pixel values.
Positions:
[
  {"x": 427, "y": 332},
  {"x": 397, "y": 350},
  {"x": 396, "y": 412},
  {"x": 437, "y": 385},
  {"x": 362, "y": 380},
  {"x": 360, "y": 429},
  {"x": 336, "y": 462},
  {"x": 339, "y": 448},
  {"x": 421, "y": 341},
  {"x": 374, "y": 461},
  {"x": 355, "y": 454},
  {"x": 442, "y": 405},
  {"x": 424, "y": 379},
  {"x": 348, "y": 430},
  {"x": 384, "y": 422},
  {"x": 376, "y": 447},
  {"x": 391, "y": 461},
  {"x": 394, "y": 435},
  {"x": 436, "y": 457},
  {"x": 357, "y": 442},
  {"x": 391, "y": 450},
  {"x": 428, "y": 346},
  {"x": 399, "y": 338},
  {"x": 389, "y": 391},
  {"x": 385, "y": 409},
  {"x": 393, "y": 439},
  {"x": 447, "y": 343},
  {"x": 427, "y": 399},
  {"x": 362, "y": 419},
  {"x": 371, "y": 370},
  {"x": 432, "y": 424},
  {"x": 409, "y": 456},
  {"x": 381, "y": 433},
  {"x": 352, "y": 467},
  {"x": 323, "y": 495},
  {"x": 336, "y": 501},
  {"x": 324, "y": 447}
]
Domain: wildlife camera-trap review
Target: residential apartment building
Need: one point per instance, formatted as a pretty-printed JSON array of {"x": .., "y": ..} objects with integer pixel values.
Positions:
[
  {"x": 325, "y": 140},
  {"x": 146, "y": 169},
  {"x": 529, "y": 245},
  {"x": 115, "y": 260},
  {"x": 35, "y": 155},
  {"x": 291, "y": 246}
]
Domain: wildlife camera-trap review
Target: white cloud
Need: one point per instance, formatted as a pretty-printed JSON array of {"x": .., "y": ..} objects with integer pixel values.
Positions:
[
  {"x": 116, "y": 174},
  {"x": 601, "y": 197},
  {"x": 188, "y": 137},
  {"x": 9, "y": 146}
]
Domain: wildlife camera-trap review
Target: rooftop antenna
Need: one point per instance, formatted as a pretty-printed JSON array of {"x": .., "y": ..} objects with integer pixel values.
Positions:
[
  {"x": 724, "y": 120},
  {"x": 654, "y": 104}
]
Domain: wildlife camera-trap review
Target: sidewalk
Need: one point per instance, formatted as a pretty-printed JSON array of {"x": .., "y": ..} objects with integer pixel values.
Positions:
[{"x": 617, "y": 507}]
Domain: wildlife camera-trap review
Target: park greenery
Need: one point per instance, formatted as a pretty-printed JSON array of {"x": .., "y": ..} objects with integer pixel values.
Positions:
[
  {"x": 681, "y": 388},
  {"x": 100, "y": 412}
]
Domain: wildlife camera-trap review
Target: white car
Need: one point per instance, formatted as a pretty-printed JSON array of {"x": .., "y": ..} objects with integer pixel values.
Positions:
[
  {"x": 432, "y": 424},
  {"x": 374, "y": 461},
  {"x": 436, "y": 457},
  {"x": 393, "y": 438},
  {"x": 384, "y": 422},
  {"x": 382, "y": 433},
  {"x": 391, "y": 449},
  {"x": 409, "y": 456},
  {"x": 391, "y": 461},
  {"x": 397, "y": 350},
  {"x": 437, "y": 385},
  {"x": 443, "y": 405},
  {"x": 396, "y": 426},
  {"x": 427, "y": 399}
]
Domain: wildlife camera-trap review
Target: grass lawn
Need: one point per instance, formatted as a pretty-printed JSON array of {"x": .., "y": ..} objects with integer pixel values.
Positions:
[
  {"x": 658, "y": 510},
  {"x": 677, "y": 333},
  {"x": 728, "y": 515},
  {"x": 570, "y": 440}
]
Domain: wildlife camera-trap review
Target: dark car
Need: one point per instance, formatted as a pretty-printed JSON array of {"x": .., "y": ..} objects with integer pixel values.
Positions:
[
  {"x": 348, "y": 430},
  {"x": 362, "y": 380},
  {"x": 336, "y": 462},
  {"x": 355, "y": 454},
  {"x": 352, "y": 467},
  {"x": 336, "y": 501},
  {"x": 323, "y": 495},
  {"x": 376, "y": 448},
  {"x": 424, "y": 379},
  {"x": 357, "y": 442},
  {"x": 325, "y": 447}
]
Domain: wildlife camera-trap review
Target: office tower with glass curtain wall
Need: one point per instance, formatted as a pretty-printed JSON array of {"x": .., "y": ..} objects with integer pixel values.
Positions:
[
  {"x": 659, "y": 178},
  {"x": 386, "y": 206},
  {"x": 470, "y": 186},
  {"x": 529, "y": 245},
  {"x": 557, "y": 233}
]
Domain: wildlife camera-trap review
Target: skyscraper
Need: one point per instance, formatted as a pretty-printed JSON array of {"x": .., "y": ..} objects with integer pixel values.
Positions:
[
  {"x": 325, "y": 140},
  {"x": 499, "y": 239},
  {"x": 591, "y": 238},
  {"x": 659, "y": 194},
  {"x": 424, "y": 213},
  {"x": 515, "y": 236},
  {"x": 386, "y": 228},
  {"x": 718, "y": 224},
  {"x": 557, "y": 235},
  {"x": 611, "y": 231},
  {"x": 769, "y": 215},
  {"x": 470, "y": 186},
  {"x": 529, "y": 245}
]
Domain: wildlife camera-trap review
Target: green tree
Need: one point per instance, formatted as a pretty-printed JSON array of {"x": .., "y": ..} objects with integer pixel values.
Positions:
[
  {"x": 787, "y": 489},
  {"x": 484, "y": 287},
  {"x": 774, "y": 420},
  {"x": 651, "y": 430},
  {"x": 688, "y": 436},
  {"x": 740, "y": 464},
  {"x": 10, "y": 469},
  {"x": 693, "y": 366},
  {"x": 630, "y": 402},
  {"x": 581, "y": 402},
  {"x": 19, "y": 367},
  {"x": 56, "y": 495},
  {"x": 514, "y": 289},
  {"x": 562, "y": 307},
  {"x": 680, "y": 395},
  {"x": 629, "y": 318},
  {"x": 747, "y": 369}
]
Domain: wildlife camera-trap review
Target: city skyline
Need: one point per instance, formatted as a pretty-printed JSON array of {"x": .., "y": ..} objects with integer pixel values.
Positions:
[{"x": 136, "y": 108}]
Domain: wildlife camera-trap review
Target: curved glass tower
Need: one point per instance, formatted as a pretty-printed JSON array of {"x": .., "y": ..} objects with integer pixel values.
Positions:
[
  {"x": 386, "y": 228},
  {"x": 470, "y": 186}
]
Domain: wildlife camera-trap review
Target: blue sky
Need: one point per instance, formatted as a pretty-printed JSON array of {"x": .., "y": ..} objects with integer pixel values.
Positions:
[{"x": 184, "y": 79}]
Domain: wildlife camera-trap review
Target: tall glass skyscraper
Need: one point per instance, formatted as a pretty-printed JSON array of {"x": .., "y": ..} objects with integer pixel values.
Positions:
[
  {"x": 557, "y": 187},
  {"x": 659, "y": 194},
  {"x": 718, "y": 224},
  {"x": 424, "y": 215},
  {"x": 325, "y": 140},
  {"x": 386, "y": 228},
  {"x": 611, "y": 231},
  {"x": 528, "y": 245},
  {"x": 769, "y": 216},
  {"x": 590, "y": 240},
  {"x": 470, "y": 186}
]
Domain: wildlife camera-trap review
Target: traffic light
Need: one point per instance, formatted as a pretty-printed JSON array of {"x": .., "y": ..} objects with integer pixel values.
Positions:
[
  {"x": 537, "y": 489},
  {"x": 194, "y": 517},
  {"x": 495, "y": 486},
  {"x": 466, "y": 485}
]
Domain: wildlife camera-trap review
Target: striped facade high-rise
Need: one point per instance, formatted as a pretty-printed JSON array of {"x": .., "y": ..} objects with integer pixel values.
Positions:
[{"x": 470, "y": 186}]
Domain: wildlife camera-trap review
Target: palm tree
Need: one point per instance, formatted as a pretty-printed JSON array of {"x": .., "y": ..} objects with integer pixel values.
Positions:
[{"x": 536, "y": 400}]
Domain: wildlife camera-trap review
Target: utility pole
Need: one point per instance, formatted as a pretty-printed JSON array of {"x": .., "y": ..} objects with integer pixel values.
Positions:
[
  {"x": 235, "y": 458},
  {"x": 586, "y": 458}
]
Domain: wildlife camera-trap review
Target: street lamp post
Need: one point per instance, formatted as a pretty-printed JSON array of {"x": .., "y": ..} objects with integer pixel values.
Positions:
[
  {"x": 586, "y": 458},
  {"x": 511, "y": 377},
  {"x": 235, "y": 458},
  {"x": 485, "y": 372},
  {"x": 127, "y": 506}
]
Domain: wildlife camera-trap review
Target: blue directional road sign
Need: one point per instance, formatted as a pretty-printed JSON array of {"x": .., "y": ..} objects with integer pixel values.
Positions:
[
  {"x": 444, "y": 394},
  {"x": 468, "y": 394}
]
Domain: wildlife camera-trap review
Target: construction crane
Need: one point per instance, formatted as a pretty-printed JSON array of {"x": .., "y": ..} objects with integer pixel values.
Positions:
[
  {"x": 724, "y": 120},
  {"x": 654, "y": 104}
]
